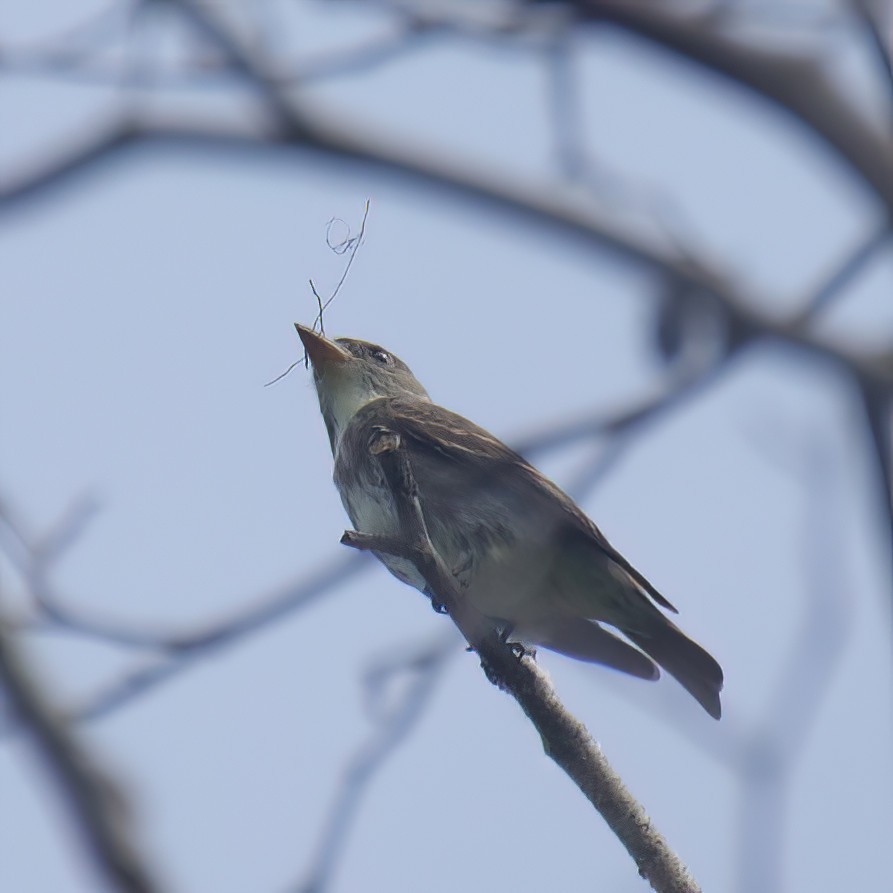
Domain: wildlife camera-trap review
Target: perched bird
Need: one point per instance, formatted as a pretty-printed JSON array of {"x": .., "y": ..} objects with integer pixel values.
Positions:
[{"x": 524, "y": 553}]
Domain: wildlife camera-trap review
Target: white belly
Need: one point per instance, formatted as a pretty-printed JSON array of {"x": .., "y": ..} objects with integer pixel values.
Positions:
[{"x": 379, "y": 518}]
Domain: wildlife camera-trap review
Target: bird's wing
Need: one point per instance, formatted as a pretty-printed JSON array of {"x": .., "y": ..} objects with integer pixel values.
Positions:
[{"x": 431, "y": 429}]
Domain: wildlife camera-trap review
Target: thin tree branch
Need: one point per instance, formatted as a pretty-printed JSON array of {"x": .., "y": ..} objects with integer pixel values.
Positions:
[
  {"x": 766, "y": 753},
  {"x": 627, "y": 421},
  {"x": 843, "y": 273},
  {"x": 564, "y": 738},
  {"x": 34, "y": 557},
  {"x": 179, "y": 651},
  {"x": 880, "y": 35},
  {"x": 426, "y": 669},
  {"x": 75, "y": 66},
  {"x": 295, "y": 123},
  {"x": 799, "y": 85},
  {"x": 563, "y": 210},
  {"x": 97, "y": 142},
  {"x": 96, "y": 804},
  {"x": 412, "y": 35},
  {"x": 186, "y": 650},
  {"x": 878, "y": 407},
  {"x": 557, "y": 207}
]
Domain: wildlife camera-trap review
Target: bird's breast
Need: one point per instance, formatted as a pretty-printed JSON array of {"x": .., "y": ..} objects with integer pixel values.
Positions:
[
  {"x": 370, "y": 507},
  {"x": 495, "y": 548}
]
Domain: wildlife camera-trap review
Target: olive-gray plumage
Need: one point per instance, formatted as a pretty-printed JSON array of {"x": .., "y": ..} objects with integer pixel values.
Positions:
[{"x": 526, "y": 555}]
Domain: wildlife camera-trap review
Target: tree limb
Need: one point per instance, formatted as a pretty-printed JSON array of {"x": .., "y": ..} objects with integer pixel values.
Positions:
[
  {"x": 425, "y": 669},
  {"x": 799, "y": 85},
  {"x": 878, "y": 408},
  {"x": 565, "y": 739},
  {"x": 97, "y": 805}
]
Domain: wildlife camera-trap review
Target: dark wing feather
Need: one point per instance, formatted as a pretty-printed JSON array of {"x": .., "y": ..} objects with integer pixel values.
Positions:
[
  {"x": 619, "y": 560},
  {"x": 431, "y": 427}
]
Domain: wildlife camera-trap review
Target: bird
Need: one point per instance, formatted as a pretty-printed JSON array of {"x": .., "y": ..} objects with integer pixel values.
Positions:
[{"x": 525, "y": 554}]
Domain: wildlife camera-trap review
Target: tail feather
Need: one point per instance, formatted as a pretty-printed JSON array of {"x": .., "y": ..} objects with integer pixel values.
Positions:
[
  {"x": 683, "y": 659},
  {"x": 585, "y": 640}
]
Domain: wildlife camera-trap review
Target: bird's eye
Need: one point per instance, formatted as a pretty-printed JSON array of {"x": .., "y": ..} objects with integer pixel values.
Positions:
[{"x": 382, "y": 356}]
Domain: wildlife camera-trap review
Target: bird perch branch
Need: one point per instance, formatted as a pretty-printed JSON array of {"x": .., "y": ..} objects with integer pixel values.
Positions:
[
  {"x": 565, "y": 739},
  {"x": 96, "y": 804}
]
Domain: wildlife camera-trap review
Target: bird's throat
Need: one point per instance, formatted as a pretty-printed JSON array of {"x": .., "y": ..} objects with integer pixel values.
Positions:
[{"x": 340, "y": 399}]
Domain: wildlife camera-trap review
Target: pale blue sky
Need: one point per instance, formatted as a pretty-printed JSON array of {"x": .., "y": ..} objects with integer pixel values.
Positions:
[{"x": 145, "y": 304}]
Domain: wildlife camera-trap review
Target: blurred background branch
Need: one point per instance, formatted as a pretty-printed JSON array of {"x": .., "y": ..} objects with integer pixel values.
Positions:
[
  {"x": 228, "y": 80},
  {"x": 96, "y": 804}
]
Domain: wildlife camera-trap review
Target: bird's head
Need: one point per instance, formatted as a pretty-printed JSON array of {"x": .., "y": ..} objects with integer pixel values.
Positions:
[{"x": 348, "y": 373}]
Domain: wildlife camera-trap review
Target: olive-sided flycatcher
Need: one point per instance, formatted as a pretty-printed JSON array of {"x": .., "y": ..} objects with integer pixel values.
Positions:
[{"x": 523, "y": 552}]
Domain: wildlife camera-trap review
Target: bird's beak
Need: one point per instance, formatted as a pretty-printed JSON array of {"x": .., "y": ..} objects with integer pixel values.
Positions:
[{"x": 321, "y": 351}]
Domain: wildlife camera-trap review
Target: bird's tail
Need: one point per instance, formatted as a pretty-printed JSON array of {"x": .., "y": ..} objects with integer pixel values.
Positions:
[
  {"x": 682, "y": 658},
  {"x": 585, "y": 640}
]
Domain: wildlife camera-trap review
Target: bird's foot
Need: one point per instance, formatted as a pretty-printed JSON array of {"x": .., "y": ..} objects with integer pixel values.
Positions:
[{"x": 519, "y": 649}]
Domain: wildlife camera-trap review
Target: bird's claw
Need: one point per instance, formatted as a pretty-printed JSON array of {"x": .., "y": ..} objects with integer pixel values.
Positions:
[{"x": 519, "y": 649}]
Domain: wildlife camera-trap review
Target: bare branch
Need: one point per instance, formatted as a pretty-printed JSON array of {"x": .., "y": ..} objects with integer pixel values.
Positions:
[
  {"x": 96, "y": 804},
  {"x": 843, "y": 273},
  {"x": 35, "y": 556},
  {"x": 60, "y": 60},
  {"x": 176, "y": 652},
  {"x": 179, "y": 651},
  {"x": 625, "y": 422},
  {"x": 564, "y": 738},
  {"x": 98, "y": 142},
  {"x": 557, "y": 207},
  {"x": 412, "y": 35},
  {"x": 877, "y": 405},
  {"x": 425, "y": 668},
  {"x": 799, "y": 85},
  {"x": 766, "y": 753},
  {"x": 879, "y": 34}
]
